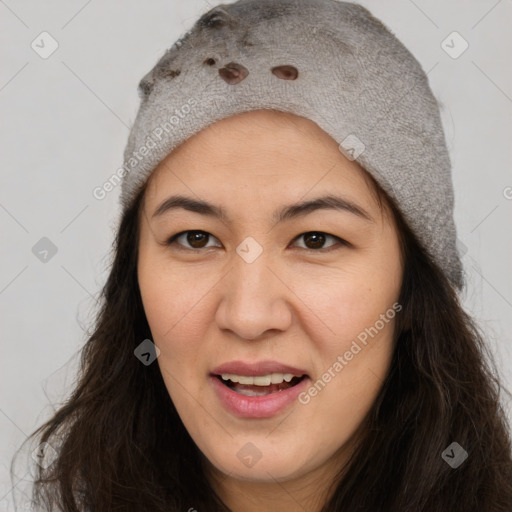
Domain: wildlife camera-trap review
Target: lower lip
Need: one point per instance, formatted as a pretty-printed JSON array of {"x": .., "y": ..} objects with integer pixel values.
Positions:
[{"x": 264, "y": 406}]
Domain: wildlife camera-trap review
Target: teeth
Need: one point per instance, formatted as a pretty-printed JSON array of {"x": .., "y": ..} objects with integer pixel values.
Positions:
[{"x": 260, "y": 380}]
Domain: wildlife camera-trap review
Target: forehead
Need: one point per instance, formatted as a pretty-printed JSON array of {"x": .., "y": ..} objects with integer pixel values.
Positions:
[{"x": 266, "y": 156}]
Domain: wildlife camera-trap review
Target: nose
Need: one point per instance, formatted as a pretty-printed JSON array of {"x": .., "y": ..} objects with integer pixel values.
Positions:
[{"x": 255, "y": 301}]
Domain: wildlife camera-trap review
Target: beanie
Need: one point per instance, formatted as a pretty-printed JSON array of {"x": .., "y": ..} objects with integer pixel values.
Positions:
[{"x": 326, "y": 60}]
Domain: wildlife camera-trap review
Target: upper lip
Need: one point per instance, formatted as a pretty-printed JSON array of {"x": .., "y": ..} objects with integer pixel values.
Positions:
[{"x": 258, "y": 368}]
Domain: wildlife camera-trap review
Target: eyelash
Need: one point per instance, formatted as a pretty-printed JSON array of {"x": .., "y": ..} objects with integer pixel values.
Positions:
[{"x": 173, "y": 239}]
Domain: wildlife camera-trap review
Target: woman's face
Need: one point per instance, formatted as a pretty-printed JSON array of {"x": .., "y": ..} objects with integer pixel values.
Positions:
[{"x": 315, "y": 291}]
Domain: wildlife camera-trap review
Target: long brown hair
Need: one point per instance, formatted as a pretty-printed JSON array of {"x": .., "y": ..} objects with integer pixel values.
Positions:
[{"x": 122, "y": 446}]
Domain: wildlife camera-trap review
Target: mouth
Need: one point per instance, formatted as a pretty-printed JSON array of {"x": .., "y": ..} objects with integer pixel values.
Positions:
[
  {"x": 261, "y": 385},
  {"x": 259, "y": 395}
]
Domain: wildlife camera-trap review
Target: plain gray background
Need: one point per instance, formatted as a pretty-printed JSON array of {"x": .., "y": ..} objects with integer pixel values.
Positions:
[{"x": 64, "y": 123}]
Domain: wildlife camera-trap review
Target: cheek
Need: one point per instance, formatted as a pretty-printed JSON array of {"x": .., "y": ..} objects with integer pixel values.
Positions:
[
  {"x": 352, "y": 362},
  {"x": 172, "y": 301},
  {"x": 174, "y": 312},
  {"x": 359, "y": 307},
  {"x": 360, "y": 350},
  {"x": 348, "y": 303}
]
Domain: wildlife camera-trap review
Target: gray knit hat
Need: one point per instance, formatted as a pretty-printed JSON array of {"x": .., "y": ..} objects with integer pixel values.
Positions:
[{"x": 326, "y": 60}]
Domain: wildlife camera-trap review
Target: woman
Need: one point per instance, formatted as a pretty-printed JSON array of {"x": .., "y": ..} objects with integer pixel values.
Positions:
[{"x": 281, "y": 328}]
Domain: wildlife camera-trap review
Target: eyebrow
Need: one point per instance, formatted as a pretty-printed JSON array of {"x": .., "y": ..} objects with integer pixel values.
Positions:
[{"x": 326, "y": 202}]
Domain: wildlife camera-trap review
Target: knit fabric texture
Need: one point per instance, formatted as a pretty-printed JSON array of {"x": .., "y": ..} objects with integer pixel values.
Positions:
[{"x": 326, "y": 60}]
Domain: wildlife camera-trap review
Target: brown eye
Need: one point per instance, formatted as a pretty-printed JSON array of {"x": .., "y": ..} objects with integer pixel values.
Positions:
[
  {"x": 195, "y": 238},
  {"x": 315, "y": 240}
]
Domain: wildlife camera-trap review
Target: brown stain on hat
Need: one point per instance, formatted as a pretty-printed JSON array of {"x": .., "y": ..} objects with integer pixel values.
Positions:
[
  {"x": 285, "y": 72},
  {"x": 233, "y": 73}
]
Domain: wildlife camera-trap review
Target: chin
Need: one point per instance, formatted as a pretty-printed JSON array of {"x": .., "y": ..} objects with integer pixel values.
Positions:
[{"x": 266, "y": 469}]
